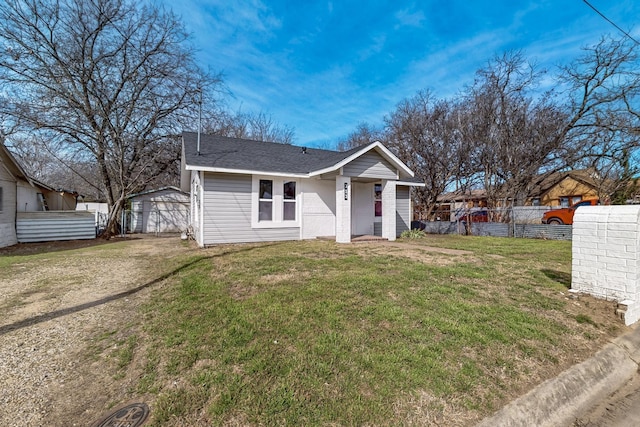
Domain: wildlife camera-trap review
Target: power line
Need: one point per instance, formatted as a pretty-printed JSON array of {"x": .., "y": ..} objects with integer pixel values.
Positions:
[{"x": 611, "y": 22}]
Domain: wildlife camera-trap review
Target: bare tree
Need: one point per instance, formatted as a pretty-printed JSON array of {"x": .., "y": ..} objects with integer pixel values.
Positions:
[
  {"x": 603, "y": 89},
  {"x": 506, "y": 136},
  {"x": 424, "y": 133},
  {"x": 108, "y": 80},
  {"x": 364, "y": 134},
  {"x": 51, "y": 163},
  {"x": 253, "y": 126},
  {"x": 32, "y": 156},
  {"x": 514, "y": 136}
]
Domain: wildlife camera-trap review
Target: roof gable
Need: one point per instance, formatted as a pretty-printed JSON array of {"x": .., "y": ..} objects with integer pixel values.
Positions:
[
  {"x": 586, "y": 177},
  {"x": 11, "y": 164},
  {"x": 380, "y": 149}
]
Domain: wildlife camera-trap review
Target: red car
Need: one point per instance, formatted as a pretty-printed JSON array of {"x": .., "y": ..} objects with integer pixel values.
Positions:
[
  {"x": 476, "y": 216},
  {"x": 565, "y": 215}
]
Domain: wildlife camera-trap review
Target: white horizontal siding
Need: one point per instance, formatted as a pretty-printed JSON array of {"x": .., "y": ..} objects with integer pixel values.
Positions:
[
  {"x": 227, "y": 213},
  {"x": 27, "y": 198},
  {"x": 8, "y": 235},
  {"x": 403, "y": 209},
  {"x": 7, "y": 209},
  {"x": 370, "y": 165},
  {"x": 54, "y": 225}
]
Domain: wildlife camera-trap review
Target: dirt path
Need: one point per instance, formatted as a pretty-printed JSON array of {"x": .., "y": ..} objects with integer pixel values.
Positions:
[{"x": 48, "y": 310}]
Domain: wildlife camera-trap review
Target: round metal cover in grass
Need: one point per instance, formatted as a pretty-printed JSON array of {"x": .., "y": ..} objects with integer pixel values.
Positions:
[{"x": 132, "y": 415}]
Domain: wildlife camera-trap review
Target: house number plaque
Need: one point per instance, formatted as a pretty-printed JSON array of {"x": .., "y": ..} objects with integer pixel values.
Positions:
[{"x": 346, "y": 191}]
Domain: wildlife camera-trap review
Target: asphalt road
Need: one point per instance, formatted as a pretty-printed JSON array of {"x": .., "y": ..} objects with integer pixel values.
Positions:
[{"x": 620, "y": 409}]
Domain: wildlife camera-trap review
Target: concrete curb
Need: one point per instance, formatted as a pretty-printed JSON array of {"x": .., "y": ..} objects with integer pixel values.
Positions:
[{"x": 559, "y": 401}]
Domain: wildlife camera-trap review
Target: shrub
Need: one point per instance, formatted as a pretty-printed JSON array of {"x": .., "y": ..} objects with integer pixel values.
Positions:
[{"x": 413, "y": 234}]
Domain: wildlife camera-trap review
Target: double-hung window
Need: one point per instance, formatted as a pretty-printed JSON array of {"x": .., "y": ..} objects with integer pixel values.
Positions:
[
  {"x": 274, "y": 203},
  {"x": 289, "y": 201},
  {"x": 265, "y": 200}
]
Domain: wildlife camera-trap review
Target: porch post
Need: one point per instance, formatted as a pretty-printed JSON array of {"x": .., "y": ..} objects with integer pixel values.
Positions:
[
  {"x": 343, "y": 209},
  {"x": 389, "y": 210}
]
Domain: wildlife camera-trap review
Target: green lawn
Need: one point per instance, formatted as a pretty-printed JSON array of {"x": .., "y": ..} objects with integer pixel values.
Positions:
[{"x": 315, "y": 333}]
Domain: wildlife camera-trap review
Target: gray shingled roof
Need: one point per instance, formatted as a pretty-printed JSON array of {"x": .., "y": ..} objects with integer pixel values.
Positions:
[{"x": 242, "y": 154}]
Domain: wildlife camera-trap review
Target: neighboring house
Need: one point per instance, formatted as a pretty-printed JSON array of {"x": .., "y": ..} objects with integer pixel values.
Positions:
[
  {"x": 249, "y": 191},
  {"x": 457, "y": 203},
  {"x": 30, "y": 211},
  {"x": 563, "y": 189},
  {"x": 165, "y": 210},
  {"x": 41, "y": 197},
  {"x": 12, "y": 177},
  {"x": 559, "y": 189}
]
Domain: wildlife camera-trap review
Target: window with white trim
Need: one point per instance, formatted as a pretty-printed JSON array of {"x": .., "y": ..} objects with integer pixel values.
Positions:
[
  {"x": 274, "y": 202},
  {"x": 377, "y": 196},
  {"x": 265, "y": 200},
  {"x": 289, "y": 201}
]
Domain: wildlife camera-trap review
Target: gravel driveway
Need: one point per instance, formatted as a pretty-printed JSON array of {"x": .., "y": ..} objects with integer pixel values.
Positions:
[{"x": 52, "y": 310}]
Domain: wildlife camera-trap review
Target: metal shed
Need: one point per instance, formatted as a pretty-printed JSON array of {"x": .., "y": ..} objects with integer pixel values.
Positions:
[{"x": 165, "y": 210}]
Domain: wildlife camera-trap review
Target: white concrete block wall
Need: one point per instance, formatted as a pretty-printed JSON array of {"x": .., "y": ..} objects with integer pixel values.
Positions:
[{"x": 606, "y": 255}]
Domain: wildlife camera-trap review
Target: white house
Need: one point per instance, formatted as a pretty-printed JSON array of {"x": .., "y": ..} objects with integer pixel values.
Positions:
[
  {"x": 249, "y": 191},
  {"x": 31, "y": 211},
  {"x": 164, "y": 210},
  {"x": 12, "y": 177}
]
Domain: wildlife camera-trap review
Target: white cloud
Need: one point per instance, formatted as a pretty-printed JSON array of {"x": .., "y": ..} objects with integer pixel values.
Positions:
[
  {"x": 408, "y": 18},
  {"x": 377, "y": 45}
]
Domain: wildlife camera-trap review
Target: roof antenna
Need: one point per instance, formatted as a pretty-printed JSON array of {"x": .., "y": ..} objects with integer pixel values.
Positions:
[{"x": 199, "y": 120}]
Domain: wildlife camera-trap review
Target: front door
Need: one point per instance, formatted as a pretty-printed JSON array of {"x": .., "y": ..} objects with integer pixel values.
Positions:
[{"x": 362, "y": 208}]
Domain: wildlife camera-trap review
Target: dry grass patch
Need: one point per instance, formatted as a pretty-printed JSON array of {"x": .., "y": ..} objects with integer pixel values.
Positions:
[{"x": 421, "y": 408}]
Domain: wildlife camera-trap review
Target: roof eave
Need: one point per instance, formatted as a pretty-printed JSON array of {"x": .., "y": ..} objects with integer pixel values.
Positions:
[
  {"x": 411, "y": 183},
  {"x": 167, "y": 187}
]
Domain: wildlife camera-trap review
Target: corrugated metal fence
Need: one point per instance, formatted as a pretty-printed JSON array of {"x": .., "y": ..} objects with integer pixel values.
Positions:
[
  {"x": 498, "y": 229},
  {"x": 520, "y": 221},
  {"x": 55, "y": 225},
  {"x": 544, "y": 231}
]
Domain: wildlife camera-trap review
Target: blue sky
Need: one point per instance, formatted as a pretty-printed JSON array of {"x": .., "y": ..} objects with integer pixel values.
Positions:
[{"x": 323, "y": 67}]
